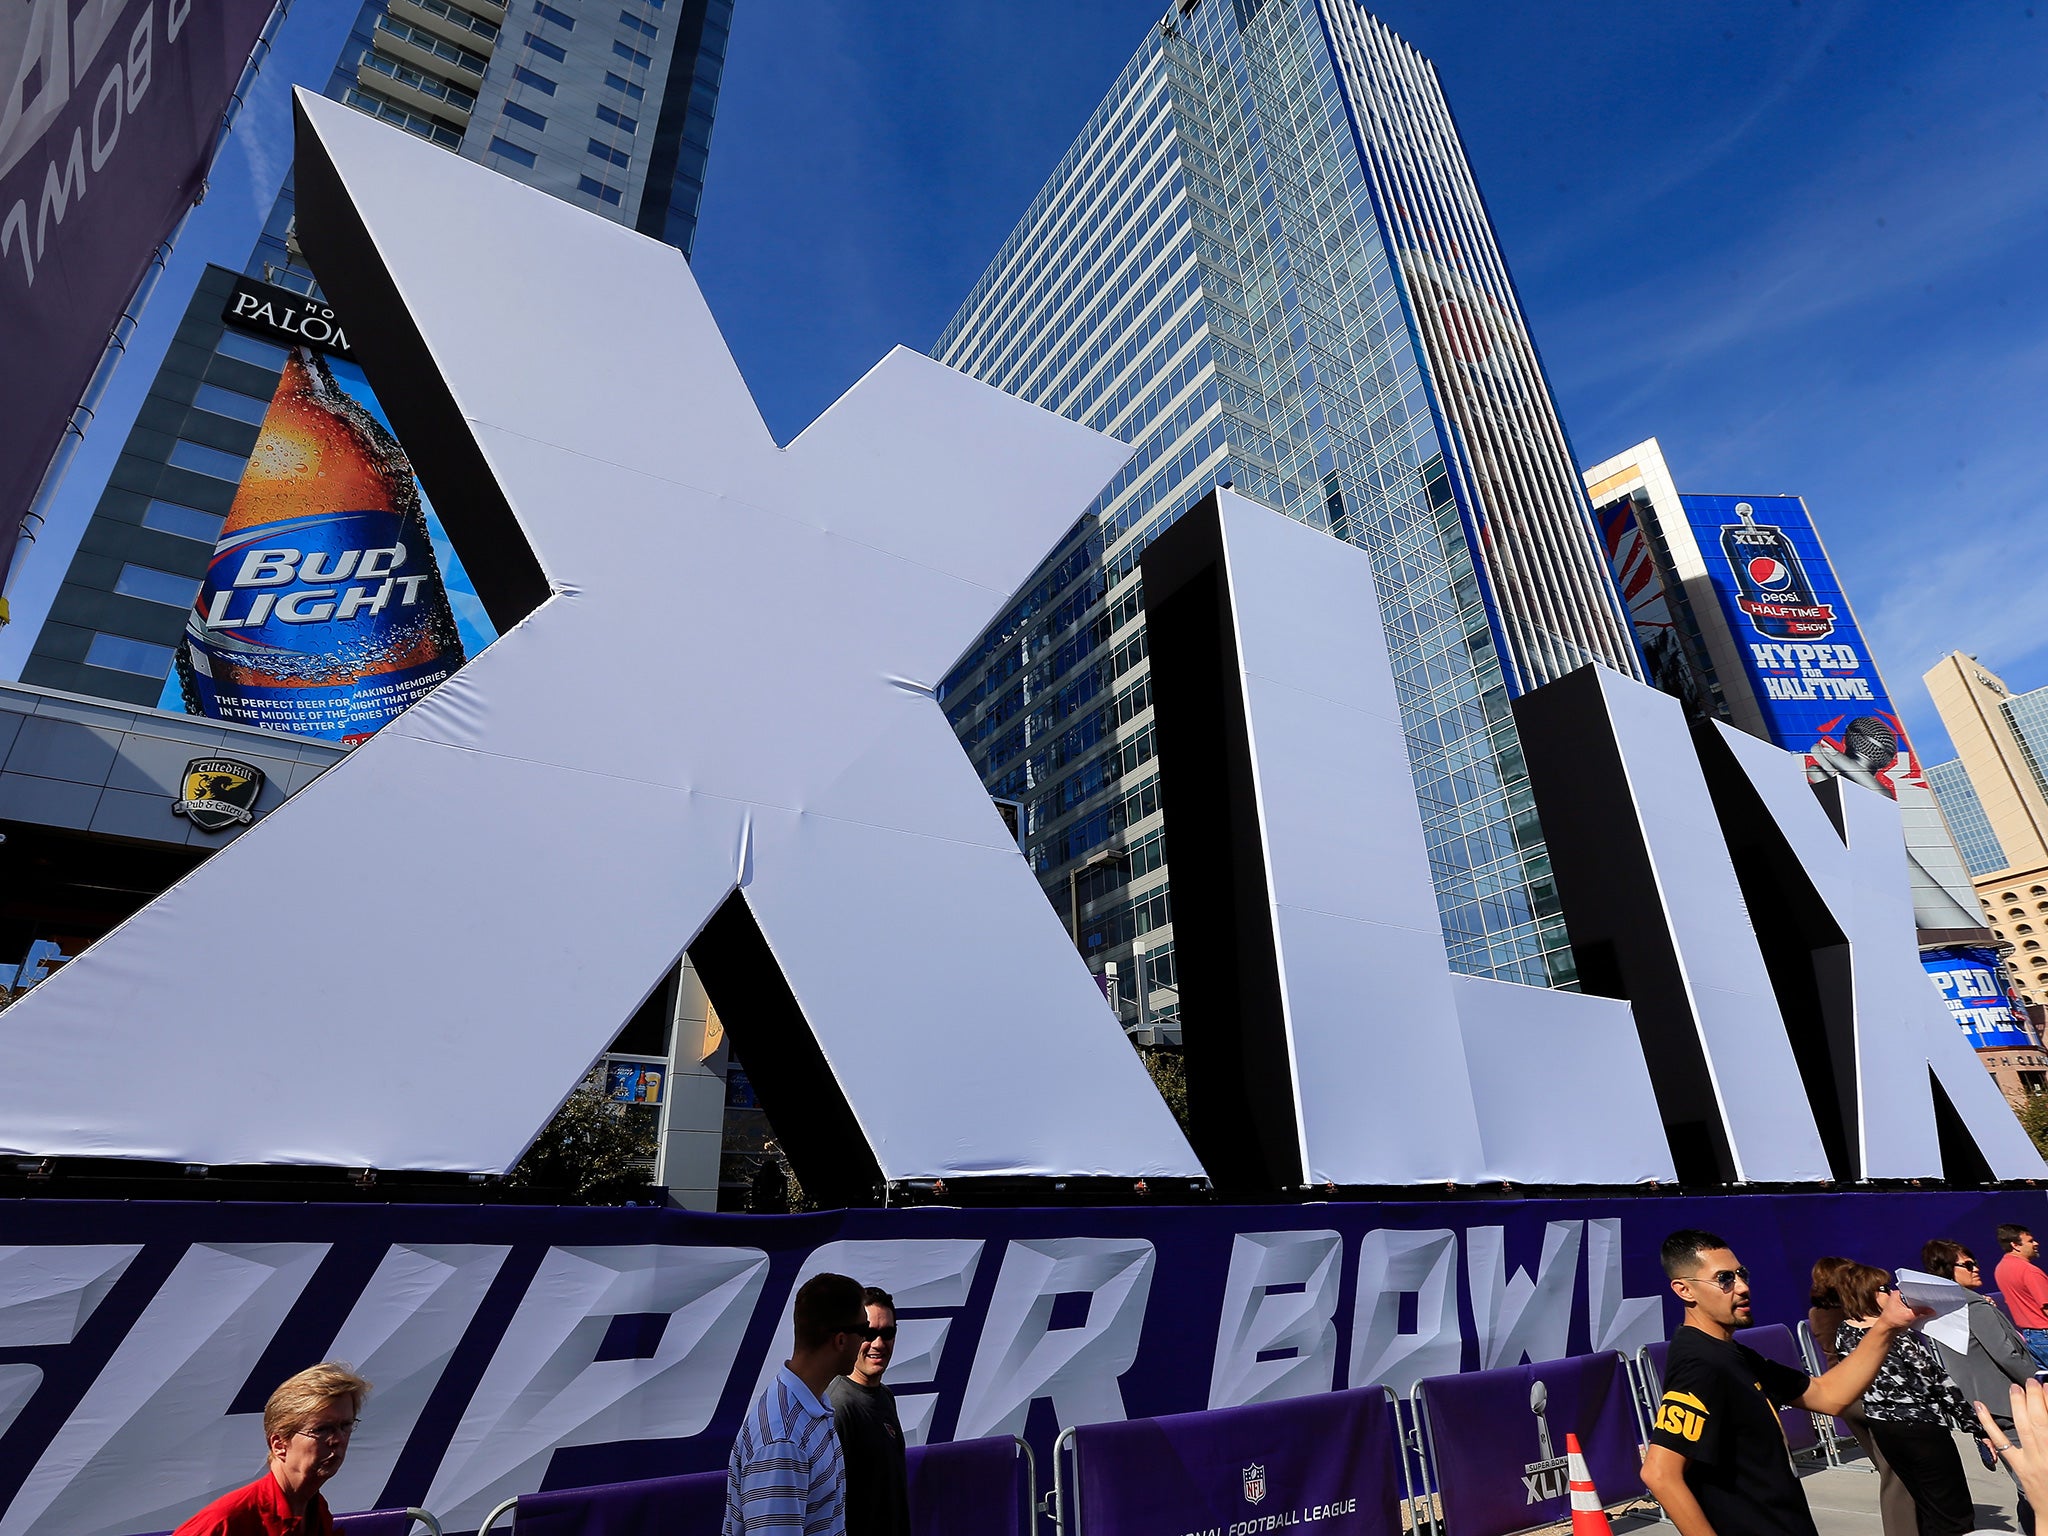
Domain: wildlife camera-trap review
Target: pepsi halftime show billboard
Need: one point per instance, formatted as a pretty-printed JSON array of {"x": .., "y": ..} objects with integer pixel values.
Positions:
[{"x": 1813, "y": 677}]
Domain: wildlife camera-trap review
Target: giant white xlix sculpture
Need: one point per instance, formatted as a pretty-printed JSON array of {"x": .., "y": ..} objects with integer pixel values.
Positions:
[
  {"x": 710, "y": 724},
  {"x": 726, "y": 686}
]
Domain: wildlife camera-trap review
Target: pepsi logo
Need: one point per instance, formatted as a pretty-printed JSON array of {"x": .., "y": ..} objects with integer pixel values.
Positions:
[{"x": 1766, "y": 572}]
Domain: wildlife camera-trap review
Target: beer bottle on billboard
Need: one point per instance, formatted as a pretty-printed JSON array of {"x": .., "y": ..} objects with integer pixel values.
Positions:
[{"x": 323, "y": 612}]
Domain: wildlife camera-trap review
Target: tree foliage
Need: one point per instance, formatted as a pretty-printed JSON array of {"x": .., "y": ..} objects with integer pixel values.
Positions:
[
  {"x": 593, "y": 1149},
  {"x": 1169, "y": 1069},
  {"x": 2033, "y": 1115}
]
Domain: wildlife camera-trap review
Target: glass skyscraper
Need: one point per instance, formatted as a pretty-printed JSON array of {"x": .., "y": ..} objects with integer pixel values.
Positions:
[
  {"x": 1264, "y": 262},
  {"x": 604, "y": 103},
  {"x": 1975, "y": 838}
]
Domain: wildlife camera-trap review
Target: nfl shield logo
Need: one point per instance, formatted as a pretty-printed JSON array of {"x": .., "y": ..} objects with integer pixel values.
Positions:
[{"x": 1254, "y": 1484}]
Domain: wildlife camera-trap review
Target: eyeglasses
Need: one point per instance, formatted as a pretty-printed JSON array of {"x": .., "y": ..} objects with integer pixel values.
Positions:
[
  {"x": 327, "y": 1434},
  {"x": 1724, "y": 1278},
  {"x": 886, "y": 1333},
  {"x": 1969, "y": 1264},
  {"x": 1882, "y": 1290}
]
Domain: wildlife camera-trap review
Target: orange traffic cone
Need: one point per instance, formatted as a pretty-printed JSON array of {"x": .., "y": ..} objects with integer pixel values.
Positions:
[{"x": 1589, "y": 1516}]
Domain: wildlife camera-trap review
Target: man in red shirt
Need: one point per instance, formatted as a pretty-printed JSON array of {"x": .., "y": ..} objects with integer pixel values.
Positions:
[{"x": 2025, "y": 1288}]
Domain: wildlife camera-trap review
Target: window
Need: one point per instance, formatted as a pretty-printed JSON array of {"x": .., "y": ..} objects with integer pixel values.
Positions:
[
  {"x": 597, "y": 189},
  {"x": 617, "y": 119},
  {"x": 202, "y": 460},
  {"x": 155, "y": 586},
  {"x": 528, "y": 116},
  {"x": 546, "y": 49},
  {"x": 512, "y": 152},
  {"x": 228, "y": 402},
  {"x": 120, "y": 654},
  {"x": 247, "y": 349},
  {"x": 547, "y": 12},
  {"x": 185, "y": 522},
  {"x": 632, "y": 55},
  {"x": 621, "y": 83},
  {"x": 613, "y": 156},
  {"x": 644, "y": 28},
  {"x": 526, "y": 76}
]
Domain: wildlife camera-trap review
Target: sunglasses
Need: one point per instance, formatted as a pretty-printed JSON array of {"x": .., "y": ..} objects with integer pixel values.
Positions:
[
  {"x": 886, "y": 1332},
  {"x": 1969, "y": 1264},
  {"x": 1724, "y": 1278}
]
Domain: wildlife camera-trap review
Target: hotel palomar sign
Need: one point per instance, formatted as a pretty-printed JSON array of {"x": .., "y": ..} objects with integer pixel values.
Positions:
[{"x": 284, "y": 316}]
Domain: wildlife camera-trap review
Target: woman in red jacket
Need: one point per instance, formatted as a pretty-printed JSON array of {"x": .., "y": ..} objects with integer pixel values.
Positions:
[{"x": 308, "y": 1422}]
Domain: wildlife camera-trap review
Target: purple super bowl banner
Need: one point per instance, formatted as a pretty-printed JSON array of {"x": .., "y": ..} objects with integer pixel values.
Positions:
[
  {"x": 106, "y": 130},
  {"x": 515, "y": 1349}
]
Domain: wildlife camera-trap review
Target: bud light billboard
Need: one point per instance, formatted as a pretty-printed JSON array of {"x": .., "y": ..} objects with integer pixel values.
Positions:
[
  {"x": 1968, "y": 980},
  {"x": 333, "y": 599},
  {"x": 1813, "y": 677}
]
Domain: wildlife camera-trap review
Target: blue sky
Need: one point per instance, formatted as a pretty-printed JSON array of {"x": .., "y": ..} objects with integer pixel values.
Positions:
[{"x": 1800, "y": 242}]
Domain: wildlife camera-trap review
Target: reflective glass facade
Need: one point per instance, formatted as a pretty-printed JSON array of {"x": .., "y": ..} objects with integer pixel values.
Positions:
[
  {"x": 1964, "y": 813},
  {"x": 1208, "y": 275},
  {"x": 2027, "y": 714}
]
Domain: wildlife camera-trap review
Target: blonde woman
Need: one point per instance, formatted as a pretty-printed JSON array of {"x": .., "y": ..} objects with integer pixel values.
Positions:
[{"x": 308, "y": 1422}]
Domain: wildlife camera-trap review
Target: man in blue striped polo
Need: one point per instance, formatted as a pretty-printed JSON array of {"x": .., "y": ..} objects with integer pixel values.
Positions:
[{"x": 786, "y": 1475}]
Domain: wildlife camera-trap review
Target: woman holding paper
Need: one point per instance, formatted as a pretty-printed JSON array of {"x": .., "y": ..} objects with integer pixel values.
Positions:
[
  {"x": 1997, "y": 1356},
  {"x": 1911, "y": 1407}
]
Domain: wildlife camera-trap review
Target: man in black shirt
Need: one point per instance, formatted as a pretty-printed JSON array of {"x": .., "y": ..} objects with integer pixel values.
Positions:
[
  {"x": 870, "y": 1438},
  {"x": 1718, "y": 1461}
]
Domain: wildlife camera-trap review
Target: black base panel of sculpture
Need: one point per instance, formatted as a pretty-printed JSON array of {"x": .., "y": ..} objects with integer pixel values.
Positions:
[
  {"x": 1613, "y": 909},
  {"x": 1233, "y": 1025}
]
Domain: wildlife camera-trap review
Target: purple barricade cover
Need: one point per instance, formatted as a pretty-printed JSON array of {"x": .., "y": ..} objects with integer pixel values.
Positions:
[
  {"x": 1327, "y": 1464},
  {"x": 655, "y": 1506},
  {"x": 375, "y": 1522},
  {"x": 969, "y": 1485},
  {"x": 974, "y": 1485},
  {"x": 1501, "y": 1466},
  {"x": 108, "y": 153}
]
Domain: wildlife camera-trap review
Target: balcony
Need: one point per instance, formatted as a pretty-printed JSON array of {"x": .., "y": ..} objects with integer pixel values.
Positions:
[
  {"x": 407, "y": 86},
  {"x": 459, "y": 24},
  {"x": 416, "y": 45},
  {"x": 382, "y": 107}
]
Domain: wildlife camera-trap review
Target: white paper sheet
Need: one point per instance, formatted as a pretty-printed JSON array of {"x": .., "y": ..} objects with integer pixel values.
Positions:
[{"x": 1950, "y": 1324}]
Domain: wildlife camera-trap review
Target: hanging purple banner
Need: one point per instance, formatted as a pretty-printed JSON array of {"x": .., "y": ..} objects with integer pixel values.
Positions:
[
  {"x": 516, "y": 1349},
  {"x": 1498, "y": 1439},
  {"x": 105, "y": 138},
  {"x": 1328, "y": 1464}
]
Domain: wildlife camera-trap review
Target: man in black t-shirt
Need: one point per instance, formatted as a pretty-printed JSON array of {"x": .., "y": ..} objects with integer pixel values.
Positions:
[
  {"x": 1718, "y": 1461},
  {"x": 871, "y": 1439}
]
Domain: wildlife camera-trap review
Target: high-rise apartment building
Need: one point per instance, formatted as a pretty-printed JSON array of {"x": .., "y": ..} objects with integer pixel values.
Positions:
[
  {"x": 1265, "y": 262},
  {"x": 604, "y": 103},
  {"x": 1996, "y": 795}
]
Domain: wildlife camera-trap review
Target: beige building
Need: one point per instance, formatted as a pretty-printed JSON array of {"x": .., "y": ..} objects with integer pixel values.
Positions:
[{"x": 1996, "y": 734}]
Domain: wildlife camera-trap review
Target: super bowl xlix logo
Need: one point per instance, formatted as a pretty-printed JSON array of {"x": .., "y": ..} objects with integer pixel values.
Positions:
[{"x": 1254, "y": 1484}]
